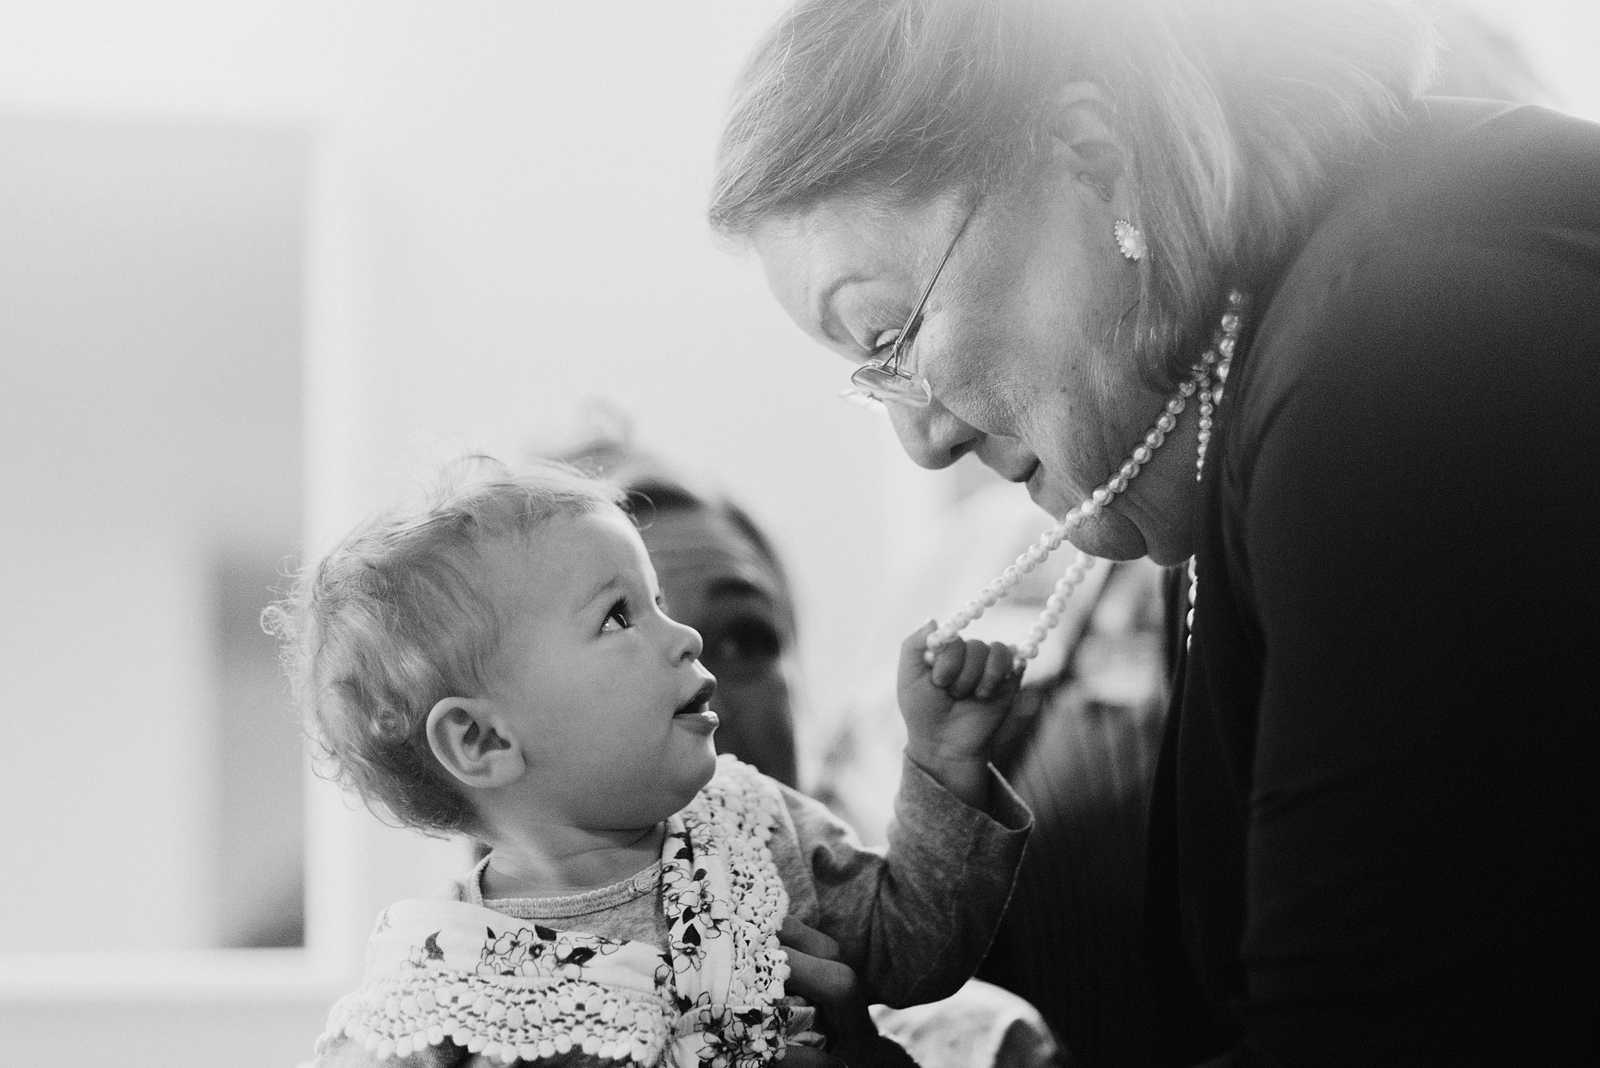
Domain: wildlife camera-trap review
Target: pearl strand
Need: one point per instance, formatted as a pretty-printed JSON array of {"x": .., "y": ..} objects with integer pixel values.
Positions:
[
  {"x": 1194, "y": 595},
  {"x": 1210, "y": 397},
  {"x": 1220, "y": 355}
]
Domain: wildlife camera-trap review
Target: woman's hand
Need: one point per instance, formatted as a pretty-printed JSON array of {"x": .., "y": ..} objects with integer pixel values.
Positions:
[
  {"x": 953, "y": 707},
  {"x": 831, "y": 986}
]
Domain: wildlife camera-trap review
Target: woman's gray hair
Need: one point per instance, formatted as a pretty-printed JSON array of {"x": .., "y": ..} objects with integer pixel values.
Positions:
[{"x": 1237, "y": 116}]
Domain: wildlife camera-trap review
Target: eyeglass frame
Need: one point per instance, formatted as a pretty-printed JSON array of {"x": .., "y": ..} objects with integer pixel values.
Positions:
[{"x": 890, "y": 364}]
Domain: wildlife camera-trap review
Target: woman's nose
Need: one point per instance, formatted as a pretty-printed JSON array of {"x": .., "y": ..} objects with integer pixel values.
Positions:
[{"x": 932, "y": 436}]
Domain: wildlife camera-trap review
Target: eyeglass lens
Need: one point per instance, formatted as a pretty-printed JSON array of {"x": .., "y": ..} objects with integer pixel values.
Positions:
[
  {"x": 888, "y": 379},
  {"x": 886, "y": 386}
]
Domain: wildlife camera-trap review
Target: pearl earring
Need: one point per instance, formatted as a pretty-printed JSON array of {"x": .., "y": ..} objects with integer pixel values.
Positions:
[{"x": 1130, "y": 240}]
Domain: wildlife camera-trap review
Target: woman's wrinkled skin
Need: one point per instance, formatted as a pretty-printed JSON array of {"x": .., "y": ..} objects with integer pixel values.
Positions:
[
  {"x": 1024, "y": 338},
  {"x": 713, "y": 580}
]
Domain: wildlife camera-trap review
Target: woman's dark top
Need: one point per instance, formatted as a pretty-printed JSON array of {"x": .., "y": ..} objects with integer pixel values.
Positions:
[
  {"x": 1080, "y": 748},
  {"x": 1377, "y": 791}
]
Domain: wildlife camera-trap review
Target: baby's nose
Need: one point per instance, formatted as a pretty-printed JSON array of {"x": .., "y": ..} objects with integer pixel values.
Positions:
[{"x": 687, "y": 643}]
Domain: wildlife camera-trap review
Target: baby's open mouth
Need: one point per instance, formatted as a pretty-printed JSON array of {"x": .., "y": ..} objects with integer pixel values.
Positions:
[{"x": 696, "y": 705}]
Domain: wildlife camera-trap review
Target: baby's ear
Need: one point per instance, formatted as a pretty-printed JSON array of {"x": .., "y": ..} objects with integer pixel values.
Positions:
[{"x": 468, "y": 737}]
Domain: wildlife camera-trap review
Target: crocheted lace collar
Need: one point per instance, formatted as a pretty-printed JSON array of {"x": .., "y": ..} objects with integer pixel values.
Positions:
[{"x": 507, "y": 989}]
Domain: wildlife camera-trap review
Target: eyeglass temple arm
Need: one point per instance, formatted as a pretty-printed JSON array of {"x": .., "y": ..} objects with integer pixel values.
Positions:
[{"x": 892, "y": 364}]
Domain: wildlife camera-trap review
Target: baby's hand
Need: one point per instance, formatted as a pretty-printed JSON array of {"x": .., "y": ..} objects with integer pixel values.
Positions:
[{"x": 953, "y": 706}]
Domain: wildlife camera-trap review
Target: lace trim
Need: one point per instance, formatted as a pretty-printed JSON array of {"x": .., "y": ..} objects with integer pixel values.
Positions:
[
  {"x": 747, "y": 1027},
  {"x": 503, "y": 1018},
  {"x": 714, "y": 999}
]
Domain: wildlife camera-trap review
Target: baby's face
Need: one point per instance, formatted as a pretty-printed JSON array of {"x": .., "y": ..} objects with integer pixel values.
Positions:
[
  {"x": 715, "y": 580},
  {"x": 606, "y": 692}
]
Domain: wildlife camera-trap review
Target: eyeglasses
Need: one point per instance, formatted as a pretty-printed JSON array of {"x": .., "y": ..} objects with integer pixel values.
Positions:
[{"x": 893, "y": 379}]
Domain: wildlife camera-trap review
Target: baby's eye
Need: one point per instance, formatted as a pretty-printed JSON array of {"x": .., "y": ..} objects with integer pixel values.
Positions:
[{"x": 618, "y": 618}]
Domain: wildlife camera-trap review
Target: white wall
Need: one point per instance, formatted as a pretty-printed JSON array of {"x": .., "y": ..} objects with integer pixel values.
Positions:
[
  {"x": 520, "y": 189},
  {"x": 151, "y": 322},
  {"x": 1562, "y": 38}
]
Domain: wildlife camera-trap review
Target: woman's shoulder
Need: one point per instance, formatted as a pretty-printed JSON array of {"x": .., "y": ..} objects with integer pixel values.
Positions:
[
  {"x": 1462, "y": 173},
  {"x": 1471, "y": 170},
  {"x": 1483, "y": 224}
]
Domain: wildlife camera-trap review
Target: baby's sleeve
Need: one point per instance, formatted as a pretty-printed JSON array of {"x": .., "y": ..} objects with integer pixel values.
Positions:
[{"x": 916, "y": 919}]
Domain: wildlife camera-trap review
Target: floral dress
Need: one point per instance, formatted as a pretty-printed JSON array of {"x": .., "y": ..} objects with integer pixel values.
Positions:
[{"x": 508, "y": 990}]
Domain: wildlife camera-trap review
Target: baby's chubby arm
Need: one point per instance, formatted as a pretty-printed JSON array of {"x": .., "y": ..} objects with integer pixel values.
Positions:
[
  {"x": 953, "y": 703},
  {"x": 915, "y": 920}
]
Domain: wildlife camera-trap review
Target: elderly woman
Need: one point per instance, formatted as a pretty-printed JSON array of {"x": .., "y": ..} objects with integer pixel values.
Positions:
[{"x": 1047, "y": 232}]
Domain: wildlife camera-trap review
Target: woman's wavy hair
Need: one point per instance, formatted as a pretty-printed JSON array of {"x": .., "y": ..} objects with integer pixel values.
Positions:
[
  {"x": 1238, "y": 115},
  {"x": 399, "y": 616}
]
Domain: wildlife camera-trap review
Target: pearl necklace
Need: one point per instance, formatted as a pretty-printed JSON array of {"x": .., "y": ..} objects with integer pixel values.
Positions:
[{"x": 1218, "y": 358}]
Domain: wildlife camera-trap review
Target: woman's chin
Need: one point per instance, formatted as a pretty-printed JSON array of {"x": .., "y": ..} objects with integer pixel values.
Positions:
[
  {"x": 1154, "y": 519},
  {"x": 1110, "y": 536}
]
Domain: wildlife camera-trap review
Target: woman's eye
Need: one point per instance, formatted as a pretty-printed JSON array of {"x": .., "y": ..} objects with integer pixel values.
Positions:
[
  {"x": 884, "y": 343},
  {"x": 618, "y": 618},
  {"x": 742, "y": 646}
]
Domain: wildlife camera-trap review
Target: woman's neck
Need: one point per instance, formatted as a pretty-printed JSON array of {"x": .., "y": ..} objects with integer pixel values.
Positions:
[{"x": 546, "y": 862}]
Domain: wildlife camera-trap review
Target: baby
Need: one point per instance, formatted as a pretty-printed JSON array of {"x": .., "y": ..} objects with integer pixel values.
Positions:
[{"x": 498, "y": 664}]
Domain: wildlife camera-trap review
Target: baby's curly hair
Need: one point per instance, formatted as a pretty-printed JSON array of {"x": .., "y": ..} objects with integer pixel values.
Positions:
[{"x": 397, "y": 617}]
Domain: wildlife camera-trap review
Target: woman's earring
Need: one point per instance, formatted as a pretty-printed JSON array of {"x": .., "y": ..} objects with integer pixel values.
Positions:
[{"x": 1130, "y": 240}]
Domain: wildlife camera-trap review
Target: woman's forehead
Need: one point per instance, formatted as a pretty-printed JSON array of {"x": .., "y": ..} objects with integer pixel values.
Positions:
[
  {"x": 703, "y": 539},
  {"x": 702, "y": 559},
  {"x": 813, "y": 260},
  {"x": 847, "y": 233}
]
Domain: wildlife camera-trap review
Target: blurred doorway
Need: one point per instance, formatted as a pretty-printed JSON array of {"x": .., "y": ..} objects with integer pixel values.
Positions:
[{"x": 151, "y": 318}]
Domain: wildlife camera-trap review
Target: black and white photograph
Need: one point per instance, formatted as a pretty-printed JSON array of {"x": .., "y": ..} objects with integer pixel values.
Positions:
[{"x": 832, "y": 533}]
